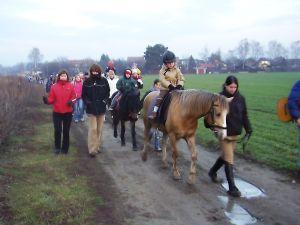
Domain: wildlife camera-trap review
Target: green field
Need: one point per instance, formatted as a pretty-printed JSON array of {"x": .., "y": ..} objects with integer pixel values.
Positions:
[{"x": 273, "y": 142}]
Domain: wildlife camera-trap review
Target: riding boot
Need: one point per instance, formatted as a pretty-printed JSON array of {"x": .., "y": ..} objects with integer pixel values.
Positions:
[
  {"x": 213, "y": 171},
  {"x": 233, "y": 190}
]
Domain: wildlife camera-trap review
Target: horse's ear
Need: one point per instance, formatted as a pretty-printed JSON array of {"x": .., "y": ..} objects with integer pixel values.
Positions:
[{"x": 216, "y": 97}]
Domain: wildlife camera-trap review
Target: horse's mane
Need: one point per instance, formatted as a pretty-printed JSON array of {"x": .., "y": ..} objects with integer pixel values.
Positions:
[{"x": 189, "y": 101}]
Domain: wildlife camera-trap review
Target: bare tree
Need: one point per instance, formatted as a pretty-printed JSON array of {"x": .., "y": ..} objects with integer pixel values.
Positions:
[
  {"x": 243, "y": 50},
  {"x": 204, "y": 54},
  {"x": 295, "y": 50},
  {"x": 35, "y": 57},
  {"x": 256, "y": 50},
  {"x": 276, "y": 49}
]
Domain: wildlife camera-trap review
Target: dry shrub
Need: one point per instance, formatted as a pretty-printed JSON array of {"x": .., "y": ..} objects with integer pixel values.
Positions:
[{"x": 16, "y": 95}]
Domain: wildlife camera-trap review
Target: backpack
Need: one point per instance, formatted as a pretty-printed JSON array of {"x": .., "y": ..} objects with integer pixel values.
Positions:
[{"x": 283, "y": 112}]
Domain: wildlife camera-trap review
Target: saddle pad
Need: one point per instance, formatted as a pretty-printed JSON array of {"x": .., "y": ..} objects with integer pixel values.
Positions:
[{"x": 283, "y": 110}]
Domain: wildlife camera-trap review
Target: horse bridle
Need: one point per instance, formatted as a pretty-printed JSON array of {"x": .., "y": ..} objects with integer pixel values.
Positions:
[{"x": 213, "y": 125}]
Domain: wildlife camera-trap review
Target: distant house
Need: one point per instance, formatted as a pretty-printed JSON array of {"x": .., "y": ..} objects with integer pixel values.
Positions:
[
  {"x": 293, "y": 64},
  {"x": 264, "y": 64},
  {"x": 138, "y": 60},
  {"x": 204, "y": 68}
]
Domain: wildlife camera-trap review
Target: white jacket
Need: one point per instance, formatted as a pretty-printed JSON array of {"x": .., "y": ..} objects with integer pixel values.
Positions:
[{"x": 112, "y": 85}]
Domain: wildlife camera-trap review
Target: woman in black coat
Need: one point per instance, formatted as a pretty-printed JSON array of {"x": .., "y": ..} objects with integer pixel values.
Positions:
[
  {"x": 95, "y": 92},
  {"x": 236, "y": 120}
]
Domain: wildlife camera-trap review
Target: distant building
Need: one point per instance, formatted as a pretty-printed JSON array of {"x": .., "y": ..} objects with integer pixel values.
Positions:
[{"x": 204, "y": 68}]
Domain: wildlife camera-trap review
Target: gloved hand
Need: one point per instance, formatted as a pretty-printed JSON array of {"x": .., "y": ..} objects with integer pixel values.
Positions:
[
  {"x": 248, "y": 134},
  {"x": 45, "y": 100},
  {"x": 179, "y": 87},
  {"x": 171, "y": 87},
  {"x": 70, "y": 103}
]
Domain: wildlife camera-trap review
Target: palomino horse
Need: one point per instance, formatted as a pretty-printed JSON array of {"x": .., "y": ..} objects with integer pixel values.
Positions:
[
  {"x": 127, "y": 110},
  {"x": 185, "y": 108}
]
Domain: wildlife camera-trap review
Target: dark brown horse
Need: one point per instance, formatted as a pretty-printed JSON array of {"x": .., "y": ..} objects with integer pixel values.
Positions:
[
  {"x": 185, "y": 108},
  {"x": 127, "y": 111}
]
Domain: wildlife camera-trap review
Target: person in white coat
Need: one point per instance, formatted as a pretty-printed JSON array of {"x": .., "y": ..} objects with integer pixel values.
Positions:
[{"x": 112, "y": 81}]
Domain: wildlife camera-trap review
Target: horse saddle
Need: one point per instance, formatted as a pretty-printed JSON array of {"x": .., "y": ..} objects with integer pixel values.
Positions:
[{"x": 162, "y": 110}]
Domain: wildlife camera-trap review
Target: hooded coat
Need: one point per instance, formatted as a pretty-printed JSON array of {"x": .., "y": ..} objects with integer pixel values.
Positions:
[
  {"x": 95, "y": 92},
  {"x": 237, "y": 118}
]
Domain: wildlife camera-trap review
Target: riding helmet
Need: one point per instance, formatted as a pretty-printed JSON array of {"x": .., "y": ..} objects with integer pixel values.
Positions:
[{"x": 169, "y": 57}]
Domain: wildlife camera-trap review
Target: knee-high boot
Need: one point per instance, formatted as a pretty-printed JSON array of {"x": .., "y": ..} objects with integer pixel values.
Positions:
[
  {"x": 233, "y": 190},
  {"x": 213, "y": 171}
]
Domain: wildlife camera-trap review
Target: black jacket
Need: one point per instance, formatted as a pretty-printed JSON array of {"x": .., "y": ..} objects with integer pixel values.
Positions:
[
  {"x": 95, "y": 92},
  {"x": 237, "y": 118}
]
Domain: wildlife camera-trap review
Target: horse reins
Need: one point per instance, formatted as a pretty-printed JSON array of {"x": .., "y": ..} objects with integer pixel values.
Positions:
[{"x": 212, "y": 112}]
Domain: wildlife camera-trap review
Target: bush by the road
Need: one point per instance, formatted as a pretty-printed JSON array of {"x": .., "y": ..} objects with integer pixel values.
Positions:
[{"x": 16, "y": 94}]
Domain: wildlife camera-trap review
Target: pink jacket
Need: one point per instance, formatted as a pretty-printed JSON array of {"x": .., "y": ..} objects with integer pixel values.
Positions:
[{"x": 78, "y": 88}]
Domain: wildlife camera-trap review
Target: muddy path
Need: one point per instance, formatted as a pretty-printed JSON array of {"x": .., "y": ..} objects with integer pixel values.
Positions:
[{"x": 147, "y": 194}]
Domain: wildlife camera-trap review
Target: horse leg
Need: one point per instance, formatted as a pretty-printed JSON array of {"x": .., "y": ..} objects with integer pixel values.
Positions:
[
  {"x": 164, "y": 150},
  {"x": 122, "y": 133},
  {"x": 133, "y": 135},
  {"x": 147, "y": 137},
  {"x": 176, "y": 173},
  {"x": 115, "y": 124},
  {"x": 191, "y": 143}
]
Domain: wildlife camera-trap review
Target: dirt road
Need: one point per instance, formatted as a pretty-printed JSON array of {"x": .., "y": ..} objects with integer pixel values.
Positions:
[{"x": 147, "y": 194}]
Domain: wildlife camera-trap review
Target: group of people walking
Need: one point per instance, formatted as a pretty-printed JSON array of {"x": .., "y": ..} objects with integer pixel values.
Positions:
[
  {"x": 71, "y": 98},
  {"x": 94, "y": 92}
]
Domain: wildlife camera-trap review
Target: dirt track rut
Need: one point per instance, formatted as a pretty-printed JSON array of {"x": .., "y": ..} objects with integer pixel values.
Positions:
[{"x": 150, "y": 195}]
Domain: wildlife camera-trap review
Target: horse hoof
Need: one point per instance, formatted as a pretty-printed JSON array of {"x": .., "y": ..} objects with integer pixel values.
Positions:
[
  {"x": 144, "y": 156},
  {"x": 134, "y": 148},
  {"x": 176, "y": 176},
  {"x": 122, "y": 143},
  {"x": 115, "y": 135},
  {"x": 165, "y": 165},
  {"x": 191, "y": 180}
]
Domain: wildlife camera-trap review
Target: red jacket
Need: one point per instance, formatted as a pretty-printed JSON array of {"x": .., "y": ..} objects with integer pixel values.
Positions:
[{"x": 59, "y": 96}]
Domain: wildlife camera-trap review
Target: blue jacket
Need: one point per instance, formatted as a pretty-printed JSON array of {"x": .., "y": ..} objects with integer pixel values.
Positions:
[{"x": 294, "y": 100}]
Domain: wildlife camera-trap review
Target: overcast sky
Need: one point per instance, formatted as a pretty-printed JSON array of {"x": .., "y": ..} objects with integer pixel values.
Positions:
[{"x": 88, "y": 28}]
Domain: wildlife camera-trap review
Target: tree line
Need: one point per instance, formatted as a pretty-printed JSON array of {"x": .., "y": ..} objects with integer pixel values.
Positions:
[{"x": 244, "y": 57}]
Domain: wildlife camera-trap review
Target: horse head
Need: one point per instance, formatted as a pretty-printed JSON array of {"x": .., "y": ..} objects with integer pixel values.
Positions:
[
  {"x": 215, "y": 119},
  {"x": 130, "y": 105}
]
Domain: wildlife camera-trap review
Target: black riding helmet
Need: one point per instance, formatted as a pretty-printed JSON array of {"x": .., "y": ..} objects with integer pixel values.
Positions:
[{"x": 169, "y": 57}]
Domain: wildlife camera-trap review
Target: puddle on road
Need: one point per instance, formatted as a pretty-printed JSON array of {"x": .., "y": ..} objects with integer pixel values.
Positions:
[
  {"x": 248, "y": 190},
  {"x": 236, "y": 214}
]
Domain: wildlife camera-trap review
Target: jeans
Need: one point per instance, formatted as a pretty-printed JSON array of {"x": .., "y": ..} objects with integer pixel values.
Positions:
[
  {"x": 115, "y": 100},
  {"x": 157, "y": 138},
  {"x": 62, "y": 124},
  {"x": 78, "y": 109}
]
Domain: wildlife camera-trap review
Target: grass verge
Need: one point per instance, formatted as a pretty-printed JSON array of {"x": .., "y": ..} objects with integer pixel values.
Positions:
[{"x": 41, "y": 188}]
